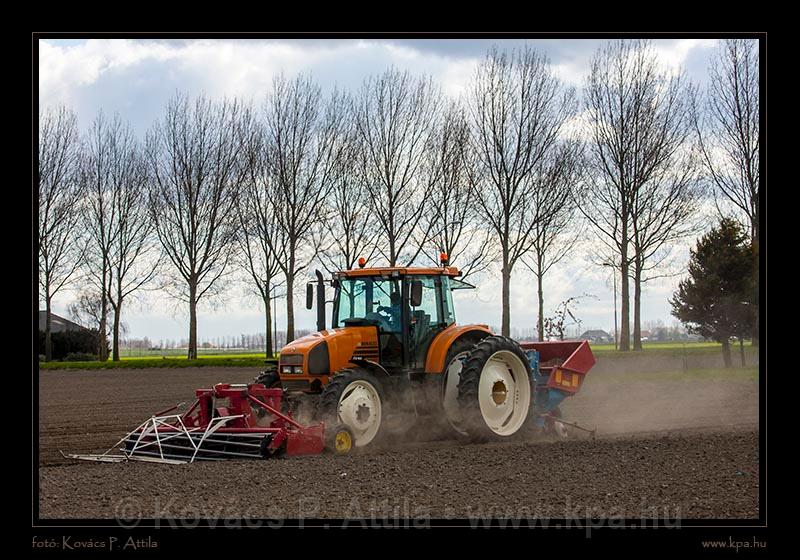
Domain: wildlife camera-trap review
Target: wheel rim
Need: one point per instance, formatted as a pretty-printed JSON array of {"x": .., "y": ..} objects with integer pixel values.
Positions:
[
  {"x": 452, "y": 376},
  {"x": 504, "y": 393},
  {"x": 360, "y": 410},
  {"x": 343, "y": 441}
]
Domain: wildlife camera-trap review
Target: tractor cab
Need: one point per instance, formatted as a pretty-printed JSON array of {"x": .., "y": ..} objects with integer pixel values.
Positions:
[{"x": 407, "y": 306}]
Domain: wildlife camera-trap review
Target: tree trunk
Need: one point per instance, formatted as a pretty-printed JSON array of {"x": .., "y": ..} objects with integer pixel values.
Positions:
[
  {"x": 741, "y": 350},
  {"x": 48, "y": 329},
  {"x": 392, "y": 255},
  {"x": 268, "y": 349},
  {"x": 637, "y": 307},
  {"x": 540, "y": 322},
  {"x": 625, "y": 304},
  {"x": 289, "y": 308},
  {"x": 625, "y": 311},
  {"x": 102, "y": 343},
  {"x": 756, "y": 296},
  {"x": 726, "y": 353},
  {"x": 192, "y": 322},
  {"x": 506, "y": 273},
  {"x": 115, "y": 336},
  {"x": 616, "y": 328}
]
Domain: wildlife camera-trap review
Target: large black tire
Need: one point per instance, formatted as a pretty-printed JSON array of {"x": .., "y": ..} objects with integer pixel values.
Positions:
[
  {"x": 461, "y": 347},
  {"x": 269, "y": 378},
  {"x": 338, "y": 385},
  {"x": 469, "y": 383}
]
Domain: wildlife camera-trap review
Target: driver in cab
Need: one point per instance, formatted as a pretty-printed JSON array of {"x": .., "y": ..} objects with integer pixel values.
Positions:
[{"x": 393, "y": 312}]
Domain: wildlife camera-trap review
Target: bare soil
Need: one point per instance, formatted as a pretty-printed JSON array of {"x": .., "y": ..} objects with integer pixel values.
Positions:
[{"x": 665, "y": 448}]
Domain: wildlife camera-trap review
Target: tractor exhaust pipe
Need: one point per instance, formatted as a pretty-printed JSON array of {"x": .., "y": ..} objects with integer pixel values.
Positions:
[{"x": 320, "y": 301}]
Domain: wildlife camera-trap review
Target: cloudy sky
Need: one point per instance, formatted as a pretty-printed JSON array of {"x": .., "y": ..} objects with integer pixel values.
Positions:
[{"x": 136, "y": 77}]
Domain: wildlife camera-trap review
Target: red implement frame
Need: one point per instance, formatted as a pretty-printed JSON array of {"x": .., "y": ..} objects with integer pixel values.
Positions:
[
  {"x": 237, "y": 401},
  {"x": 577, "y": 361}
]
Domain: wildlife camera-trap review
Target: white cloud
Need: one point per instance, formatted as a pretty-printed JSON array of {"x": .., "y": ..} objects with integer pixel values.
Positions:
[
  {"x": 572, "y": 73},
  {"x": 673, "y": 54}
]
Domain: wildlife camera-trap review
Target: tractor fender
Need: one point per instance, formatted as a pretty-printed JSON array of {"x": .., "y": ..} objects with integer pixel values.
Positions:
[
  {"x": 437, "y": 352},
  {"x": 373, "y": 367}
]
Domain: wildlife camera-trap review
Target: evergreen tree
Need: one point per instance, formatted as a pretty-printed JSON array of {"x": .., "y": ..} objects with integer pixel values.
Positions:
[{"x": 715, "y": 301}]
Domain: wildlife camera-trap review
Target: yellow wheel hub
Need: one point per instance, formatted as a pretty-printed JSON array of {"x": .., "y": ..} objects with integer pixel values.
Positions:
[
  {"x": 343, "y": 441},
  {"x": 499, "y": 393}
]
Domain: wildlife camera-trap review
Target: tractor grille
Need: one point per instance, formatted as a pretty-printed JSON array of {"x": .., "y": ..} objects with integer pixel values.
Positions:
[
  {"x": 297, "y": 385},
  {"x": 367, "y": 351}
]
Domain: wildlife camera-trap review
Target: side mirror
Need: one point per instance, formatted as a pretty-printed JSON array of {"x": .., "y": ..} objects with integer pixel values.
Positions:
[
  {"x": 416, "y": 293},
  {"x": 309, "y": 295}
]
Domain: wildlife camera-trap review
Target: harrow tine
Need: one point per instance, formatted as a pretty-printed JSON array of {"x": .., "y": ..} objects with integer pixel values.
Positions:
[
  {"x": 145, "y": 431},
  {"x": 195, "y": 455},
  {"x": 180, "y": 459},
  {"x": 157, "y": 460},
  {"x": 220, "y": 441},
  {"x": 163, "y": 439},
  {"x": 102, "y": 458},
  {"x": 213, "y": 426},
  {"x": 107, "y": 458}
]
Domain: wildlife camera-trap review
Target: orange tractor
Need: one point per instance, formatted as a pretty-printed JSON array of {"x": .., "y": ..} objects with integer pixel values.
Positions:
[{"x": 393, "y": 349}]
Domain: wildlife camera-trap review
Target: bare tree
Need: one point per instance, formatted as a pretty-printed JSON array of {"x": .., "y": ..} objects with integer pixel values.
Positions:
[
  {"x": 301, "y": 132},
  {"x": 351, "y": 227},
  {"x": 262, "y": 246},
  {"x": 557, "y": 325},
  {"x": 87, "y": 309},
  {"x": 452, "y": 221},
  {"x": 133, "y": 256},
  {"x": 98, "y": 218},
  {"x": 116, "y": 221},
  {"x": 519, "y": 109},
  {"x": 60, "y": 192},
  {"x": 728, "y": 128},
  {"x": 556, "y": 179},
  {"x": 663, "y": 212},
  {"x": 395, "y": 115},
  {"x": 728, "y": 133},
  {"x": 195, "y": 172},
  {"x": 636, "y": 113}
]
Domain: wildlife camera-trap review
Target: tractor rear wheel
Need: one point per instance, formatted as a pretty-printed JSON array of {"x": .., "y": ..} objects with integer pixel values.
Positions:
[
  {"x": 355, "y": 399},
  {"x": 494, "y": 389},
  {"x": 451, "y": 376}
]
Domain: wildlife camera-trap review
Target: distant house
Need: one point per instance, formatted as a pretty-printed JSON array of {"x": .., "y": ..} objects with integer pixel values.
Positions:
[
  {"x": 58, "y": 324},
  {"x": 597, "y": 336},
  {"x": 646, "y": 335}
]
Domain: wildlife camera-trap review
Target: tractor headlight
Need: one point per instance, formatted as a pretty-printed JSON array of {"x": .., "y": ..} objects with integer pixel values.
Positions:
[{"x": 292, "y": 363}]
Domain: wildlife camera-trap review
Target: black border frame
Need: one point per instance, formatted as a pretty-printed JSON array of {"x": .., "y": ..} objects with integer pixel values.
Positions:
[{"x": 686, "y": 538}]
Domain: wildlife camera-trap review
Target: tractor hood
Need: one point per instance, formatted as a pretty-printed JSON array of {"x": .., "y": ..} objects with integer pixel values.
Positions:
[{"x": 328, "y": 351}]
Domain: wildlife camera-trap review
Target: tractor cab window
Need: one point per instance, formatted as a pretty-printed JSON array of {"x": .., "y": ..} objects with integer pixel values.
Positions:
[
  {"x": 449, "y": 310},
  {"x": 427, "y": 319},
  {"x": 376, "y": 300}
]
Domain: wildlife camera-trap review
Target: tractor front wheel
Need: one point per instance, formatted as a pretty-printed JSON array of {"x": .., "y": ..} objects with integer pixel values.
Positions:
[
  {"x": 269, "y": 378},
  {"x": 353, "y": 398}
]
